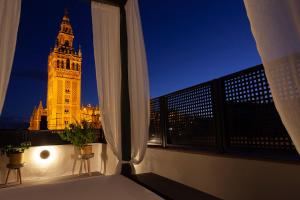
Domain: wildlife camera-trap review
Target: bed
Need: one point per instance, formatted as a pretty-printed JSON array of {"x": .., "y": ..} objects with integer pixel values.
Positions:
[{"x": 91, "y": 188}]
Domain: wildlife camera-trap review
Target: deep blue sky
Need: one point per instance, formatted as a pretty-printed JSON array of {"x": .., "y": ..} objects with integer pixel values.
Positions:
[{"x": 187, "y": 42}]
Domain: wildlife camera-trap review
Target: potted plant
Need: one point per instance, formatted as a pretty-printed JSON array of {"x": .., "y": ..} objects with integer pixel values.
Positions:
[
  {"x": 80, "y": 135},
  {"x": 15, "y": 153}
]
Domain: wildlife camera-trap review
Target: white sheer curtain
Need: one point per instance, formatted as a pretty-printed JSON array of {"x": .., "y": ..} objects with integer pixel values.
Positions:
[
  {"x": 138, "y": 82},
  {"x": 106, "y": 39},
  {"x": 106, "y": 35},
  {"x": 9, "y": 22},
  {"x": 276, "y": 28}
]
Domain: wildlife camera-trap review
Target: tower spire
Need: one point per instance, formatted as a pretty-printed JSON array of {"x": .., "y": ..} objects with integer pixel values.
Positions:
[
  {"x": 79, "y": 51},
  {"x": 40, "y": 105},
  {"x": 65, "y": 36}
]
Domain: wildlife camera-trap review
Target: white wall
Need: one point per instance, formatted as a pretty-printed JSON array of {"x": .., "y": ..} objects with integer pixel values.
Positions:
[
  {"x": 226, "y": 177},
  {"x": 59, "y": 163}
]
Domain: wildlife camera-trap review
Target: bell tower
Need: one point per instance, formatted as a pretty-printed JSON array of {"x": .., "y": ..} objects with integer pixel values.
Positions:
[
  {"x": 64, "y": 79},
  {"x": 65, "y": 35}
]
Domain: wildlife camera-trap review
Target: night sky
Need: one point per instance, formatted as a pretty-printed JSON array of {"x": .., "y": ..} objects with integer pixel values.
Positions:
[{"x": 187, "y": 42}]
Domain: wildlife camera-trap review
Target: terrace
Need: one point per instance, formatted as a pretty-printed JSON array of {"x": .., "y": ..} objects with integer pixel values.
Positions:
[
  {"x": 221, "y": 139},
  {"x": 185, "y": 128}
]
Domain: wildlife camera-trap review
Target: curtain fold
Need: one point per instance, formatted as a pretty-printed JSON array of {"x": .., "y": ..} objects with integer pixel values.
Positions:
[
  {"x": 276, "y": 28},
  {"x": 10, "y": 11},
  {"x": 106, "y": 35},
  {"x": 106, "y": 40},
  {"x": 138, "y": 83}
]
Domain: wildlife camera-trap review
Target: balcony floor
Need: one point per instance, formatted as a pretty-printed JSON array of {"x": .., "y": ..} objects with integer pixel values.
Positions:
[{"x": 48, "y": 180}]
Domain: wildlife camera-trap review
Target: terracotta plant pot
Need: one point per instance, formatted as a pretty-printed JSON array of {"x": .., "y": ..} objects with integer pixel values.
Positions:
[
  {"x": 16, "y": 158},
  {"x": 86, "y": 149}
]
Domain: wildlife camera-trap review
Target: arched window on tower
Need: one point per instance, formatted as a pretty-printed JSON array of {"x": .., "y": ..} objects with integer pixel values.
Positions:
[
  {"x": 73, "y": 66},
  {"x": 66, "y": 43},
  {"x": 57, "y": 63},
  {"x": 76, "y": 67},
  {"x": 68, "y": 64},
  {"x": 62, "y": 64}
]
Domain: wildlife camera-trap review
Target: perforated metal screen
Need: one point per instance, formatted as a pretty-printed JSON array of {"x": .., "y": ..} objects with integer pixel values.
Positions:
[
  {"x": 155, "y": 130},
  {"x": 232, "y": 113},
  {"x": 251, "y": 120},
  {"x": 190, "y": 117}
]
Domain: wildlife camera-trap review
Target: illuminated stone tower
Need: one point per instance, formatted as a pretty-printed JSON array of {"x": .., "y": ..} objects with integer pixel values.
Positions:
[
  {"x": 64, "y": 79},
  {"x": 64, "y": 87}
]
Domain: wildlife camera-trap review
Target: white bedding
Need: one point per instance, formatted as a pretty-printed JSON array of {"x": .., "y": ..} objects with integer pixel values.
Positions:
[{"x": 92, "y": 188}]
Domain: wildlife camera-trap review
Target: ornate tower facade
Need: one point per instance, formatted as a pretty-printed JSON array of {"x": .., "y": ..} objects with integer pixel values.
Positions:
[
  {"x": 64, "y": 87},
  {"x": 64, "y": 80}
]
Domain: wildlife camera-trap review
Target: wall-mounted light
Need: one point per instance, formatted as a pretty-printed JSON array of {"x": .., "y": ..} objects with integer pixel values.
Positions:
[{"x": 44, "y": 156}]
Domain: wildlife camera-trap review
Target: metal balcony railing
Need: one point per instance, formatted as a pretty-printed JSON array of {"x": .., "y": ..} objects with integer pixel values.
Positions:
[{"x": 232, "y": 114}]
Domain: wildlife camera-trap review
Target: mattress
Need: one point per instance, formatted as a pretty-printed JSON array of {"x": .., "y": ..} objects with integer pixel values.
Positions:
[{"x": 91, "y": 188}]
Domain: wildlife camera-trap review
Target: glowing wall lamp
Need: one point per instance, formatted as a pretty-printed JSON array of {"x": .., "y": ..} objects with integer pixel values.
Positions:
[{"x": 45, "y": 155}]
